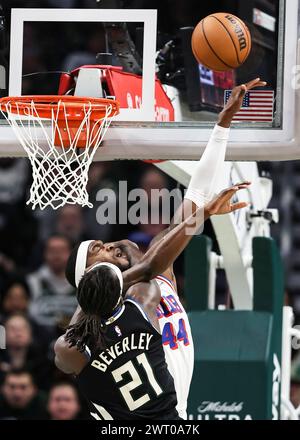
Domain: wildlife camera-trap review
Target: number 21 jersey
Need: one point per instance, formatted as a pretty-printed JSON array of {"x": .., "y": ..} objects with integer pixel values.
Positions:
[{"x": 129, "y": 379}]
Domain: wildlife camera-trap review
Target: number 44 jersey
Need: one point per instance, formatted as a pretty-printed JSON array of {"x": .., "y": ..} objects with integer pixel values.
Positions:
[
  {"x": 177, "y": 341},
  {"x": 129, "y": 379}
]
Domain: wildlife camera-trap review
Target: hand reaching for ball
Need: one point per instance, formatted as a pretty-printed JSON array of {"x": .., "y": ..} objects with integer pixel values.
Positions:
[{"x": 235, "y": 101}]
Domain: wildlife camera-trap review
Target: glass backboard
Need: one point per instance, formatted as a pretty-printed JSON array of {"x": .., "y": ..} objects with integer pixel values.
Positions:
[{"x": 169, "y": 102}]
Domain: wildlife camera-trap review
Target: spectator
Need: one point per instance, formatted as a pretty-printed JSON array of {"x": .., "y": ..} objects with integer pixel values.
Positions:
[
  {"x": 14, "y": 179},
  {"x": 16, "y": 299},
  {"x": 153, "y": 229},
  {"x": 20, "y": 398},
  {"x": 63, "y": 402},
  {"x": 101, "y": 176},
  {"x": 18, "y": 341},
  {"x": 142, "y": 239},
  {"x": 46, "y": 219},
  {"x": 53, "y": 297},
  {"x": 152, "y": 178},
  {"x": 77, "y": 58},
  {"x": 92, "y": 42},
  {"x": 159, "y": 216},
  {"x": 22, "y": 353},
  {"x": 69, "y": 223}
]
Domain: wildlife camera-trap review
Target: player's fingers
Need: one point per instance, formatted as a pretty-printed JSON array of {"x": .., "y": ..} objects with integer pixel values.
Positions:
[
  {"x": 243, "y": 185},
  {"x": 245, "y": 182},
  {"x": 238, "y": 186},
  {"x": 259, "y": 84},
  {"x": 253, "y": 83},
  {"x": 239, "y": 91},
  {"x": 243, "y": 90},
  {"x": 237, "y": 206},
  {"x": 228, "y": 193}
]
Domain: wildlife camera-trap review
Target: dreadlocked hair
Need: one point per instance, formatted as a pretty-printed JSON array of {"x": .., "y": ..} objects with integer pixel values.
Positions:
[{"x": 98, "y": 295}]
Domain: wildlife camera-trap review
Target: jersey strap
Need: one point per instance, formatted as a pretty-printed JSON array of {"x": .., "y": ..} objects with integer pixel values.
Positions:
[
  {"x": 167, "y": 281},
  {"x": 116, "y": 315},
  {"x": 144, "y": 314},
  {"x": 138, "y": 305}
]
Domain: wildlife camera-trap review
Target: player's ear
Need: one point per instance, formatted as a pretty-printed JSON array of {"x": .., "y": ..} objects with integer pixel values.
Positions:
[{"x": 95, "y": 247}]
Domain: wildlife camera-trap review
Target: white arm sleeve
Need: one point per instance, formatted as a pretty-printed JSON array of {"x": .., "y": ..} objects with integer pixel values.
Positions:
[{"x": 204, "y": 181}]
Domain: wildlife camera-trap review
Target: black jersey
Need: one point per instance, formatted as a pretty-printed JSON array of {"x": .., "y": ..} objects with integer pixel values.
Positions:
[{"x": 129, "y": 379}]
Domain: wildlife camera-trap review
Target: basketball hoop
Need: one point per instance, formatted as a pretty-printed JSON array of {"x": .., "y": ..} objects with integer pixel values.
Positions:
[{"x": 72, "y": 129}]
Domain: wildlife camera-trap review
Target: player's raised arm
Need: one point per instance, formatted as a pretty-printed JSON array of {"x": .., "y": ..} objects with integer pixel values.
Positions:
[
  {"x": 163, "y": 253},
  {"x": 204, "y": 181}
]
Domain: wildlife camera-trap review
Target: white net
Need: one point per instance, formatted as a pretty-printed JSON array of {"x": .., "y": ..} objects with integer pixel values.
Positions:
[{"x": 60, "y": 163}]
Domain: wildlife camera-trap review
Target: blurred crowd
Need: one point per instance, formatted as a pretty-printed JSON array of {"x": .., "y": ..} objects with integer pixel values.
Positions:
[{"x": 36, "y": 300}]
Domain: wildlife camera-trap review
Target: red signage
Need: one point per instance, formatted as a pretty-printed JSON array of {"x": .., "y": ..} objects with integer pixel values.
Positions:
[{"x": 127, "y": 90}]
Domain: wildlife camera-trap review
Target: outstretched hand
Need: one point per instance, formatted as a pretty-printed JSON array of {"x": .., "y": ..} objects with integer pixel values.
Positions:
[
  {"x": 221, "y": 204},
  {"x": 235, "y": 101}
]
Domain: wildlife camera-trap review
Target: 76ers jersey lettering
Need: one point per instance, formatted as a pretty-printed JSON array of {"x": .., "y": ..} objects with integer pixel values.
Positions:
[{"x": 177, "y": 341}]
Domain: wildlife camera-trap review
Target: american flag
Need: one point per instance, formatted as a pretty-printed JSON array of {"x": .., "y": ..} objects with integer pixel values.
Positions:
[{"x": 258, "y": 106}]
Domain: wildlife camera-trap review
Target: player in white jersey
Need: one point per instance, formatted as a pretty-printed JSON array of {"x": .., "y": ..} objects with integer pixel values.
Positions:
[
  {"x": 165, "y": 248},
  {"x": 173, "y": 320},
  {"x": 177, "y": 340}
]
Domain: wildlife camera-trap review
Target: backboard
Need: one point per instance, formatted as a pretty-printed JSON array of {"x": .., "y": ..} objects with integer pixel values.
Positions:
[{"x": 150, "y": 42}]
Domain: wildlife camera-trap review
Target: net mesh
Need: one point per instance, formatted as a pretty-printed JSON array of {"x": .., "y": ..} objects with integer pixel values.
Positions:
[{"x": 61, "y": 161}]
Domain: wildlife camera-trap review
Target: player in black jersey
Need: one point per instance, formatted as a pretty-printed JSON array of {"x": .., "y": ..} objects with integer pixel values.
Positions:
[
  {"x": 126, "y": 376},
  {"x": 113, "y": 345}
]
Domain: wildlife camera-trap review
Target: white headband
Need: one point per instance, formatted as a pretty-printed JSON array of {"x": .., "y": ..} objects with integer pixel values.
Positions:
[
  {"x": 114, "y": 268},
  {"x": 81, "y": 260}
]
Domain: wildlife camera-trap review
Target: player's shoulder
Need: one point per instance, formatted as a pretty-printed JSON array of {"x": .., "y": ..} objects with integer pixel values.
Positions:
[
  {"x": 146, "y": 298},
  {"x": 144, "y": 292},
  {"x": 166, "y": 282},
  {"x": 142, "y": 285}
]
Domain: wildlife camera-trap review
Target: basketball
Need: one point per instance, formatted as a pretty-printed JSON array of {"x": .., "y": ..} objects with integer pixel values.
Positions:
[{"x": 221, "y": 42}]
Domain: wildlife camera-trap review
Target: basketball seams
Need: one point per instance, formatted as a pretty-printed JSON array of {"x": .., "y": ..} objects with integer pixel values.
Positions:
[
  {"x": 229, "y": 33},
  {"x": 249, "y": 43},
  {"x": 211, "y": 48}
]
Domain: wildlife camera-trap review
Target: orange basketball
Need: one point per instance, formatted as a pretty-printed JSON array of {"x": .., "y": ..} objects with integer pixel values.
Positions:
[{"x": 221, "y": 42}]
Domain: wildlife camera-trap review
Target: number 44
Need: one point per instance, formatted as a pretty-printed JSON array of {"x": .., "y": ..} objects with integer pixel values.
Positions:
[{"x": 169, "y": 336}]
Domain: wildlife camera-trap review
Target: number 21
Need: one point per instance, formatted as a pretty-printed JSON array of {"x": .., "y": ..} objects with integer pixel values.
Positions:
[{"x": 136, "y": 382}]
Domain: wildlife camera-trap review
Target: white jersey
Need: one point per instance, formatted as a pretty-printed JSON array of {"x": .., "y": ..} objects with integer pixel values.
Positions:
[{"x": 177, "y": 341}]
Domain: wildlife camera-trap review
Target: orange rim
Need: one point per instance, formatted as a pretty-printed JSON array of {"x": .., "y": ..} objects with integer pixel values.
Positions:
[{"x": 74, "y": 107}]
